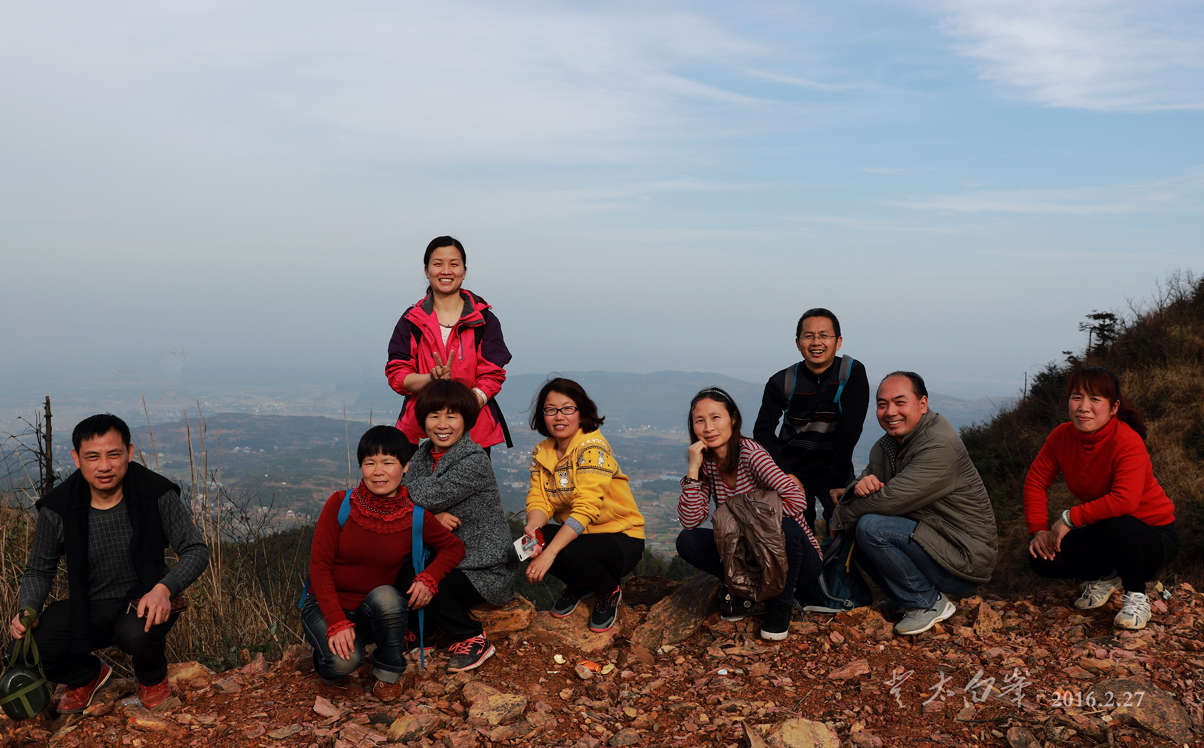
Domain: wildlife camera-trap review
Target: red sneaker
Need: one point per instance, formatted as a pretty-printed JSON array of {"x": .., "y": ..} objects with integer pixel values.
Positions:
[
  {"x": 77, "y": 699},
  {"x": 153, "y": 696}
]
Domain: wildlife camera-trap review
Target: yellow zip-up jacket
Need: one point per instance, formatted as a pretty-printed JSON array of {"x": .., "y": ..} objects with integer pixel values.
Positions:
[{"x": 586, "y": 487}]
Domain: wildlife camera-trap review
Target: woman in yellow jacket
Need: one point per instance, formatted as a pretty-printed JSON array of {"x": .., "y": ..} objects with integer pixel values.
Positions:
[{"x": 576, "y": 481}]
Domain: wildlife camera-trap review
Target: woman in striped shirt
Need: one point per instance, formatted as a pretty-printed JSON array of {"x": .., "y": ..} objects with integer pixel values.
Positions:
[{"x": 723, "y": 464}]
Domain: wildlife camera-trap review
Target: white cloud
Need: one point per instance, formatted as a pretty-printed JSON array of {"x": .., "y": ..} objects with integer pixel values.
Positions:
[
  {"x": 1105, "y": 55},
  {"x": 1084, "y": 201},
  {"x": 448, "y": 83}
]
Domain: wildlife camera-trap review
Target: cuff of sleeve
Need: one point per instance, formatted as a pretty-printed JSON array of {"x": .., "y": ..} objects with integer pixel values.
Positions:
[
  {"x": 172, "y": 586},
  {"x": 574, "y": 523},
  {"x": 339, "y": 627},
  {"x": 1078, "y": 516},
  {"x": 429, "y": 581}
]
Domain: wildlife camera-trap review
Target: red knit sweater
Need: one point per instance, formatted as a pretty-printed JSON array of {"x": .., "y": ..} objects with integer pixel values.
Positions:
[
  {"x": 1109, "y": 472},
  {"x": 347, "y": 563}
]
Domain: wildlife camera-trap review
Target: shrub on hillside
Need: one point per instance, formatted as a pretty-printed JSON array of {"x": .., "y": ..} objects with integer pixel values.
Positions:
[{"x": 1159, "y": 354}]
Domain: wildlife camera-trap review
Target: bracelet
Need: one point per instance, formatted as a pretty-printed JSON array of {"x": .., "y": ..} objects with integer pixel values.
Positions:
[
  {"x": 690, "y": 481},
  {"x": 1066, "y": 519}
]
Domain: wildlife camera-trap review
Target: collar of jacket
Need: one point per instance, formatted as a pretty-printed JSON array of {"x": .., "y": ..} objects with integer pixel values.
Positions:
[
  {"x": 926, "y": 421},
  {"x": 546, "y": 454},
  {"x": 423, "y": 312},
  {"x": 464, "y": 447}
]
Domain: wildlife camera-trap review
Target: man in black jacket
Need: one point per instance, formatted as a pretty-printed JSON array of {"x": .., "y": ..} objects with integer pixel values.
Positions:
[
  {"x": 821, "y": 403},
  {"x": 112, "y": 519}
]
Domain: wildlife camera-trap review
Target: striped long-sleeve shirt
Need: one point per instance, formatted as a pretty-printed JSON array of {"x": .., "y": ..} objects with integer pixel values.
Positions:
[{"x": 755, "y": 469}]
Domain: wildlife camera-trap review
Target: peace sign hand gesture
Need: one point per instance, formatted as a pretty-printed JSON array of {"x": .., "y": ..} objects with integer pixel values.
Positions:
[{"x": 440, "y": 370}]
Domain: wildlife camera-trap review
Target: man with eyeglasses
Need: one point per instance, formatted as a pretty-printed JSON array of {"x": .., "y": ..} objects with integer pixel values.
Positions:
[{"x": 821, "y": 403}]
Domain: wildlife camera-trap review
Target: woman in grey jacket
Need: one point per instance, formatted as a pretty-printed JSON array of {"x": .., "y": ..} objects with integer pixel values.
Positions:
[{"x": 452, "y": 477}]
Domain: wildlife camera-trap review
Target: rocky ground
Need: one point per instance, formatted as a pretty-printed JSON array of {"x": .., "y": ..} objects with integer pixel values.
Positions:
[{"x": 1002, "y": 672}]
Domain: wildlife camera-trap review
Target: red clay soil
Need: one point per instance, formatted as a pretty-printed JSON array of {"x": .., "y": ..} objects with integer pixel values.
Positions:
[{"x": 1000, "y": 672}]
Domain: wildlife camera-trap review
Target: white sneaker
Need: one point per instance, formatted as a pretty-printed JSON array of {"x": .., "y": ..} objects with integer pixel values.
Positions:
[
  {"x": 1134, "y": 613},
  {"x": 1097, "y": 593}
]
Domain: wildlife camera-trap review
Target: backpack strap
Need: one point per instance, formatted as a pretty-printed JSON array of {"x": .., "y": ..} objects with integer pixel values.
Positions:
[
  {"x": 344, "y": 513},
  {"x": 846, "y": 365},
  {"x": 788, "y": 386},
  {"x": 418, "y": 556}
]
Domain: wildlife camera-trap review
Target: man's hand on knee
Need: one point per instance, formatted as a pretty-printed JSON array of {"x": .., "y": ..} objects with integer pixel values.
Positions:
[
  {"x": 868, "y": 485},
  {"x": 155, "y": 606}
]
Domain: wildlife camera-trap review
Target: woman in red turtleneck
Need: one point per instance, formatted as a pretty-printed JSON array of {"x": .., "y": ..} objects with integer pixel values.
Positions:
[
  {"x": 352, "y": 599},
  {"x": 1123, "y": 530}
]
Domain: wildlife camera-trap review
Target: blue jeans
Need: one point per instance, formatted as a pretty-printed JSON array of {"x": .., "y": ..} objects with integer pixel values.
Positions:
[
  {"x": 697, "y": 548},
  {"x": 381, "y": 619},
  {"x": 900, "y": 566}
]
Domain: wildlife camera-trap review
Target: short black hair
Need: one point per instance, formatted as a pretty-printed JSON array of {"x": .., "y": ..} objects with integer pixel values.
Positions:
[
  {"x": 587, "y": 410},
  {"x": 917, "y": 382},
  {"x": 818, "y": 311},
  {"x": 99, "y": 425},
  {"x": 450, "y": 394},
  {"x": 384, "y": 440}
]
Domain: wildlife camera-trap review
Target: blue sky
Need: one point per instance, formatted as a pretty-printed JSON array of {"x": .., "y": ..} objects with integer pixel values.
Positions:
[{"x": 640, "y": 186}]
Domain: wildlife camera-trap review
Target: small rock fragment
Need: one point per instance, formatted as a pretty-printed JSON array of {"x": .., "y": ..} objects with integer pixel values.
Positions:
[
  {"x": 285, "y": 732},
  {"x": 851, "y": 670}
]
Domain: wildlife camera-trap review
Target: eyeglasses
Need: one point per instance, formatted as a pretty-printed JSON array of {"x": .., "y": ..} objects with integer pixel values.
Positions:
[
  {"x": 568, "y": 410},
  {"x": 822, "y": 337}
]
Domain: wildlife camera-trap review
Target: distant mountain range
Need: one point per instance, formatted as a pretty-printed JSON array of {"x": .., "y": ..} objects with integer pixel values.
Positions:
[{"x": 657, "y": 402}]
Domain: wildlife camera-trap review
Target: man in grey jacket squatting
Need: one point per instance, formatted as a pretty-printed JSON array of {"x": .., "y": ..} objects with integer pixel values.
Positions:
[{"x": 924, "y": 523}]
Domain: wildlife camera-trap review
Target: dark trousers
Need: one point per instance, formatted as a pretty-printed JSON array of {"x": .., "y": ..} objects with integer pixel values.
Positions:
[
  {"x": 379, "y": 619},
  {"x": 449, "y": 609},
  {"x": 595, "y": 561},
  {"x": 825, "y": 500},
  {"x": 113, "y": 623},
  {"x": 1122, "y": 545},
  {"x": 697, "y": 547}
]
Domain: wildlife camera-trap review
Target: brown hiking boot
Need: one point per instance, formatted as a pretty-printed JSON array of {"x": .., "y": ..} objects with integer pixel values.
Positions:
[
  {"x": 77, "y": 699},
  {"x": 388, "y": 692}
]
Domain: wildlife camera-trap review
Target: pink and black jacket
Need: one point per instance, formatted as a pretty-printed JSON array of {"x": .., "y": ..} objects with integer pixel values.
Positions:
[{"x": 475, "y": 350}]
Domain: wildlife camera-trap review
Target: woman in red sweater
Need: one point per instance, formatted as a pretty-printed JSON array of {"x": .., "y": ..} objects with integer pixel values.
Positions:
[
  {"x": 352, "y": 601},
  {"x": 1123, "y": 530}
]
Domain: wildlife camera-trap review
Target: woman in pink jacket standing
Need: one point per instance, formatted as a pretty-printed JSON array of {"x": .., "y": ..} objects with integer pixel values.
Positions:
[{"x": 450, "y": 333}]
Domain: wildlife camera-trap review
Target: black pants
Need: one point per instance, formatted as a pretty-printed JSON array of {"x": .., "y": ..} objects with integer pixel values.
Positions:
[
  {"x": 825, "y": 500},
  {"x": 697, "y": 547},
  {"x": 113, "y": 623},
  {"x": 1124, "y": 545},
  {"x": 595, "y": 561},
  {"x": 449, "y": 609}
]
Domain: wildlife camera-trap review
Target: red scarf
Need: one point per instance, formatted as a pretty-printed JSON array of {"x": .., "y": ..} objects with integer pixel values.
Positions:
[{"x": 383, "y": 514}]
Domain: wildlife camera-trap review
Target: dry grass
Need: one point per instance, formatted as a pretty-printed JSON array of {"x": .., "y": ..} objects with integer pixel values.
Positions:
[
  {"x": 1159, "y": 355},
  {"x": 245, "y": 600}
]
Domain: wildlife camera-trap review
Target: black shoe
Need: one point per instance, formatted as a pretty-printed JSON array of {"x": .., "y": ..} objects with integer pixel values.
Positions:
[
  {"x": 777, "y": 622},
  {"x": 733, "y": 608},
  {"x": 567, "y": 602},
  {"x": 428, "y": 642},
  {"x": 606, "y": 610},
  {"x": 469, "y": 653}
]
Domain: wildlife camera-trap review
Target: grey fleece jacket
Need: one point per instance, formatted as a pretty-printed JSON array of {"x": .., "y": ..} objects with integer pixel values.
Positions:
[
  {"x": 935, "y": 484},
  {"x": 464, "y": 485}
]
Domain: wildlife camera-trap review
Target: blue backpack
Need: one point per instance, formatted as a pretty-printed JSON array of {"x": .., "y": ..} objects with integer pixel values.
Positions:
[
  {"x": 418, "y": 556},
  {"x": 839, "y": 586}
]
